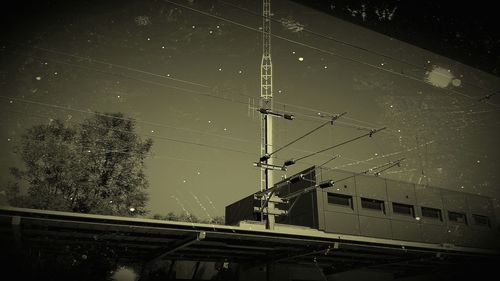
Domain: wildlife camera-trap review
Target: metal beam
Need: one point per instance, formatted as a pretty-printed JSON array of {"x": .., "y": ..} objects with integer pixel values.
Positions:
[
  {"x": 323, "y": 251},
  {"x": 16, "y": 229},
  {"x": 182, "y": 244}
]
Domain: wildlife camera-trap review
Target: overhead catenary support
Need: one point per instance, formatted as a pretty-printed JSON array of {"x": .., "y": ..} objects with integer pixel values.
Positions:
[
  {"x": 488, "y": 96},
  {"x": 369, "y": 134},
  {"x": 387, "y": 165},
  {"x": 330, "y": 183},
  {"x": 269, "y": 166},
  {"x": 285, "y": 115},
  {"x": 321, "y": 185},
  {"x": 266, "y": 104},
  {"x": 291, "y": 161}
]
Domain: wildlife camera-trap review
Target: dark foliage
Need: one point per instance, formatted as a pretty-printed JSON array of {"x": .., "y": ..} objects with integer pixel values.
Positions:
[{"x": 93, "y": 167}]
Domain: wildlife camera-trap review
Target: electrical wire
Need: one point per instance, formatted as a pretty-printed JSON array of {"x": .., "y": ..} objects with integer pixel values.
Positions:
[
  {"x": 388, "y": 165},
  {"x": 132, "y": 119},
  {"x": 356, "y": 162},
  {"x": 193, "y": 143},
  {"x": 320, "y": 50},
  {"x": 156, "y": 124},
  {"x": 92, "y": 60},
  {"x": 348, "y": 125},
  {"x": 232, "y": 100},
  {"x": 307, "y": 134},
  {"x": 351, "y": 125},
  {"x": 345, "y": 43},
  {"x": 195, "y": 92},
  {"x": 340, "y": 144},
  {"x": 148, "y": 135}
]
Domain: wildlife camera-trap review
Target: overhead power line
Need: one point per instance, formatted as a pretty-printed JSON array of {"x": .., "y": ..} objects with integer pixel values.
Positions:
[
  {"x": 191, "y": 91},
  {"x": 377, "y": 169},
  {"x": 206, "y": 94},
  {"x": 66, "y": 108},
  {"x": 92, "y": 60},
  {"x": 356, "y": 162},
  {"x": 397, "y": 73},
  {"x": 152, "y": 153},
  {"x": 324, "y": 184},
  {"x": 343, "y": 42},
  {"x": 487, "y": 97},
  {"x": 170, "y": 139}
]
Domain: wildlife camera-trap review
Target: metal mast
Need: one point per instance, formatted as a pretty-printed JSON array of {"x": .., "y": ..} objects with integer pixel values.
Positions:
[
  {"x": 266, "y": 95},
  {"x": 266, "y": 103}
]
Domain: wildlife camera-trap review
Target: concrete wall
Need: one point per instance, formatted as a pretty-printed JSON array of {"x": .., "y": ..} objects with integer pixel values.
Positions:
[
  {"x": 305, "y": 210},
  {"x": 242, "y": 210},
  {"x": 408, "y": 212}
]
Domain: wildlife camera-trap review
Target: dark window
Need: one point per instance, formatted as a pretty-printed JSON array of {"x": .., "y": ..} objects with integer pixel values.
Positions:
[
  {"x": 481, "y": 220},
  {"x": 403, "y": 209},
  {"x": 340, "y": 199},
  {"x": 372, "y": 204},
  {"x": 457, "y": 217},
  {"x": 432, "y": 213}
]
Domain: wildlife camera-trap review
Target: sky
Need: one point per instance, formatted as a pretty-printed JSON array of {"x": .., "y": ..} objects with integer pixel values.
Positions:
[
  {"x": 188, "y": 72},
  {"x": 459, "y": 30}
]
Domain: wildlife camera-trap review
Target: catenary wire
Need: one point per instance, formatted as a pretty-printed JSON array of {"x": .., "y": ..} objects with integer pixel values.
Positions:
[
  {"x": 345, "y": 43},
  {"x": 322, "y": 50}
]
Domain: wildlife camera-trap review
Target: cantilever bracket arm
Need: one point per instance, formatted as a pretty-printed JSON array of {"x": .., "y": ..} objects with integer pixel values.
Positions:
[
  {"x": 182, "y": 244},
  {"x": 267, "y": 200},
  {"x": 293, "y": 204}
]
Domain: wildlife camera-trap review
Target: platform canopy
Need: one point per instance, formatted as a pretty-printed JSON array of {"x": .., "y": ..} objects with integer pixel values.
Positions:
[{"x": 145, "y": 240}]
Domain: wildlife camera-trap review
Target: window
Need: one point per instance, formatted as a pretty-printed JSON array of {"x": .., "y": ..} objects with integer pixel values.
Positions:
[
  {"x": 403, "y": 209},
  {"x": 340, "y": 199},
  {"x": 457, "y": 217},
  {"x": 481, "y": 220},
  {"x": 372, "y": 204},
  {"x": 432, "y": 213}
]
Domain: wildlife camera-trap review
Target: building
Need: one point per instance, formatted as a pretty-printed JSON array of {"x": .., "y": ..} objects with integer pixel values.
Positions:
[{"x": 375, "y": 207}]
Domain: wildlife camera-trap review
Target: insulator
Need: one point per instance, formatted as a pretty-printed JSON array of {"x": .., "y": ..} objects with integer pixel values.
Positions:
[
  {"x": 265, "y": 157},
  {"x": 264, "y": 110},
  {"x": 296, "y": 178},
  {"x": 326, "y": 184}
]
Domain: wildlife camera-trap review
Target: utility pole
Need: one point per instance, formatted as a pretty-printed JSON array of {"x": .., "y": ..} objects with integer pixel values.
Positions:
[
  {"x": 266, "y": 161},
  {"x": 266, "y": 102}
]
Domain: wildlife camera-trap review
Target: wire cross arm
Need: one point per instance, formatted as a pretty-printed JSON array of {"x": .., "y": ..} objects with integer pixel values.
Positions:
[
  {"x": 369, "y": 134},
  {"x": 269, "y": 166},
  {"x": 488, "y": 96},
  {"x": 268, "y": 155},
  {"x": 389, "y": 166},
  {"x": 321, "y": 185},
  {"x": 285, "y": 115},
  {"x": 384, "y": 167},
  {"x": 285, "y": 183}
]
